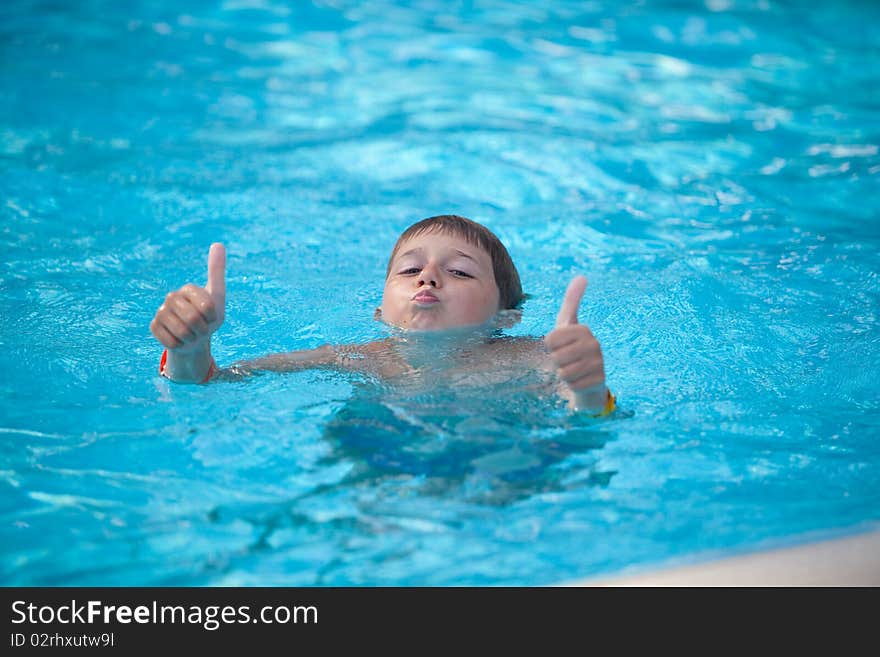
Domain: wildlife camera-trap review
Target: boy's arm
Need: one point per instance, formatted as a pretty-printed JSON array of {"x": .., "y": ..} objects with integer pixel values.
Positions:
[
  {"x": 326, "y": 357},
  {"x": 597, "y": 401},
  {"x": 577, "y": 356}
]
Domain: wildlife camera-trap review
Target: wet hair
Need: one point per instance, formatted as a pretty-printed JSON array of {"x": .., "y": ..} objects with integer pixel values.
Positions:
[{"x": 506, "y": 276}]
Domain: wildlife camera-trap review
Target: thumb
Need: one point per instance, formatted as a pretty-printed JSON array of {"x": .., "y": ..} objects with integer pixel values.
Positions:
[
  {"x": 568, "y": 314},
  {"x": 216, "y": 286}
]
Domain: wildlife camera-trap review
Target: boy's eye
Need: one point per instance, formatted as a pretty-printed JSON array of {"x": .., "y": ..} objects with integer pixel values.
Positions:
[{"x": 410, "y": 271}]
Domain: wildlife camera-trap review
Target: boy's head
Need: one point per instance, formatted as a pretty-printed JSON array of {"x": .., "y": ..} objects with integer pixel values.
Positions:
[{"x": 448, "y": 271}]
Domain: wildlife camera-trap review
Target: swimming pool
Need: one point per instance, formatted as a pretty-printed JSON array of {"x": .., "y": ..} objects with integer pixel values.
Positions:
[{"x": 712, "y": 168}]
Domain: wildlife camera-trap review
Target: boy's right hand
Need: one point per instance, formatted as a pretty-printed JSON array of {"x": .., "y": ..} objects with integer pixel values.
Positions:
[{"x": 185, "y": 321}]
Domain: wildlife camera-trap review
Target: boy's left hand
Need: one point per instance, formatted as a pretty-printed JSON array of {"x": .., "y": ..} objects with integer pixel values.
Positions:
[{"x": 576, "y": 352}]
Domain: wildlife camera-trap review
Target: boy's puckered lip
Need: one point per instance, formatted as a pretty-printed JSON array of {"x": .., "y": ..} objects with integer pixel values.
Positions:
[{"x": 423, "y": 296}]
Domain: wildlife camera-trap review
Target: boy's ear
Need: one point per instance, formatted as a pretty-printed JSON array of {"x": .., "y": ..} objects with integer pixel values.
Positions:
[{"x": 507, "y": 318}]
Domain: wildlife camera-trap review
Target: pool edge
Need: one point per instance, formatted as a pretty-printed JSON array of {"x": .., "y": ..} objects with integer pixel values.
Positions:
[{"x": 853, "y": 560}]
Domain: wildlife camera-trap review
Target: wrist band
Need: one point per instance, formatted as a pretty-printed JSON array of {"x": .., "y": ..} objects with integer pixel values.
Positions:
[
  {"x": 610, "y": 404},
  {"x": 212, "y": 370}
]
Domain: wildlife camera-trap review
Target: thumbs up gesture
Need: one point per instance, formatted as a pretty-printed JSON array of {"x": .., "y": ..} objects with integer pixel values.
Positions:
[
  {"x": 576, "y": 353},
  {"x": 187, "y": 318}
]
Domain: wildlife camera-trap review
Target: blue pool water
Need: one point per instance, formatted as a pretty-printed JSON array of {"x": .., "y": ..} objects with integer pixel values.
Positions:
[{"x": 711, "y": 167}]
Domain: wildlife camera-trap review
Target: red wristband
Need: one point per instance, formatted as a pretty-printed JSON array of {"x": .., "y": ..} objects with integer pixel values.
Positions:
[{"x": 212, "y": 370}]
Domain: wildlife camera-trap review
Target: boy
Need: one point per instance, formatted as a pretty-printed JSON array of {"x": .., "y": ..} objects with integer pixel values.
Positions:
[{"x": 447, "y": 276}]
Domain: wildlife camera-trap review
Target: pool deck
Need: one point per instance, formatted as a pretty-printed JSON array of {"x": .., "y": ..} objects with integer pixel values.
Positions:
[{"x": 850, "y": 561}]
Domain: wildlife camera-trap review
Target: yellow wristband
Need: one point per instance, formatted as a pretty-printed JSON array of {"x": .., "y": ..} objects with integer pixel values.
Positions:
[{"x": 610, "y": 404}]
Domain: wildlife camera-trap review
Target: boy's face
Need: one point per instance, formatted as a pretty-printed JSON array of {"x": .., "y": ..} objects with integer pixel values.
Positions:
[{"x": 439, "y": 281}]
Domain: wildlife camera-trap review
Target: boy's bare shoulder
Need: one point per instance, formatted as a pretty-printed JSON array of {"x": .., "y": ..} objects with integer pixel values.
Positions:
[
  {"x": 348, "y": 353},
  {"x": 505, "y": 360},
  {"x": 519, "y": 347},
  {"x": 376, "y": 358}
]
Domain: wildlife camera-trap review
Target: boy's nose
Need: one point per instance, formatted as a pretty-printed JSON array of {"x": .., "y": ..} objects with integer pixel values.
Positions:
[{"x": 429, "y": 276}]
